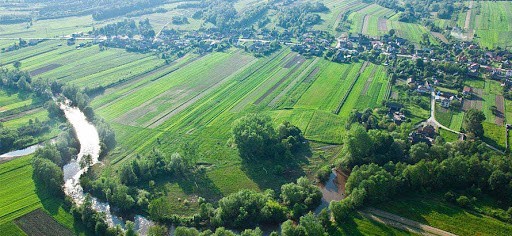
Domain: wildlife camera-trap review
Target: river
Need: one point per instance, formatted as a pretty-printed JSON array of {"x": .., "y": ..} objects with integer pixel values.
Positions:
[
  {"x": 87, "y": 135},
  {"x": 89, "y": 140}
]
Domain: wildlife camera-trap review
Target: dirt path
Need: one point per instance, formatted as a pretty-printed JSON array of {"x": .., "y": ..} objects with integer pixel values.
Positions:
[
  {"x": 340, "y": 105},
  {"x": 440, "y": 37},
  {"x": 500, "y": 104},
  {"x": 294, "y": 82},
  {"x": 468, "y": 16},
  {"x": 467, "y": 23},
  {"x": 382, "y": 25},
  {"x": 403, "y": 223},
  {"x": 366, "y": 21},
  {"x": 369, "y": 81}
]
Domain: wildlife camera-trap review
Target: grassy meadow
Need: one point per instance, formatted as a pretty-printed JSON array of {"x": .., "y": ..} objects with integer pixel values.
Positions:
[{"x": 434, "y": 211}]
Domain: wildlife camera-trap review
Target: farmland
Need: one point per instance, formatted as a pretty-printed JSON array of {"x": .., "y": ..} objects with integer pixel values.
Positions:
[
  {"x": 21, "y": 196},
  {"x": 494, "y": 23},
  {"x": 178, "y": 99}
]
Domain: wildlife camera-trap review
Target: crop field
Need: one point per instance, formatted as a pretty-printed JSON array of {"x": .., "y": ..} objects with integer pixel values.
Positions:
[
  {"x": 332, "y": 18},
  {"x": 182, "y": 86},
  {"x": 366, "y": 20},
  {"x": 177, "y": 110},
  {"x": 374, "y": 90},
  {"x": 21, "y": 196},
  {"x": 97, "y": 68},
  {"x": 333, "y": 82},
  {"x": 494, "y": 24},
  {"x": 449, "y": 118},
  {"x": 410, "y": 31},
  {"x": 434, "y": 211}
]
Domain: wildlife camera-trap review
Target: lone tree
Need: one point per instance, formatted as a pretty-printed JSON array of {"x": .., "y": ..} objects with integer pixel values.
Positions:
[
  {"x": 17, "y": 64},
  {"x": 473, "y": 122}
]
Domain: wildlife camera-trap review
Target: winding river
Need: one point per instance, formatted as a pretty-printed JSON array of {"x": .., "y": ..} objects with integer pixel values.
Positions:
[
  {"x": 89, "y": 140},
  {"x": 87, "y": 135}
]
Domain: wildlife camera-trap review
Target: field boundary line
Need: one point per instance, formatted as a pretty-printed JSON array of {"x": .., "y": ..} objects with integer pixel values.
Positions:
[
  {"x": 301, "y": 77},
  {"x": 27, "y": 57},
  {"x": 279, "y": 83},
  {"x": 344, "y": 99},
  {"x": 369, "y": 81},
  {"x": 155, "y": 71},
  {"x": 200, "y": 95}
]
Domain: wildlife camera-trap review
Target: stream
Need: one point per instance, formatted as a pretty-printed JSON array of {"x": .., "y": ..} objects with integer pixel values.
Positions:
[
  {"x": 89, "y": 140},
  {"x": 87, "y": 135},
  {"x": 332, "y": 190}
]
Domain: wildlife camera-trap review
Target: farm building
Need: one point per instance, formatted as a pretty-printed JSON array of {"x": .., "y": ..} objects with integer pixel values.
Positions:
[{"x": 424, "y": 134}]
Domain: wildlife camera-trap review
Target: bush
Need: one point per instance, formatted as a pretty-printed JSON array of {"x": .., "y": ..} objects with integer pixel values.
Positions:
[
  {"x": 323, "y": 174},
  {"x": 463, "y": 201}
]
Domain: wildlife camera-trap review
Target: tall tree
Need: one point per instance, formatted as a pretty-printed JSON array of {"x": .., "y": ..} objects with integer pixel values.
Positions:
[{"x": 473, "y": 122}]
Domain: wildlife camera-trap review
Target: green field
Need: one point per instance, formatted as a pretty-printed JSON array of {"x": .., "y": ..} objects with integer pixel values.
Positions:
[
  {"x": 450, "y": 118},
  {"x": 20, "y": 195},
  {"x": 359, "y": 225},
  {"x": 372, "y": 14},
  {"x": 494, "y": 24},
  {"x": 432, "y": 210}
]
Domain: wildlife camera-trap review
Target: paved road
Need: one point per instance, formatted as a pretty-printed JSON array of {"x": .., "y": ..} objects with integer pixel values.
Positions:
[{"x": 403, "y": 223}]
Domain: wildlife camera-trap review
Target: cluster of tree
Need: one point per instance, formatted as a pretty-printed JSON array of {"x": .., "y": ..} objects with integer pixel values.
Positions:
[
  {"x": 125, "y": 194},
  {"x": 308, "y": 224},
  {"x": 221, "y": 13},
  {"x": 373, "y": 146},
  {"x": 256, "y": 137},
  {"x": 472, "y": 123},
  {"x": 299, "y": 17},
  {"x": 118, "y": 9},
  {"x": 100, "y": 10},
  {"x": 21, "y": 44},
  {"x": 221, "y": 231},
  {"x": 123, "y": 197},
  {"x": 15, "y": 19},
  {"x": 21, "y": 81},
  {"x": 146, "y": 11},
  {"x": 127, "y": 28},
  {"x": 96, "y": 222},
  {"x": 12, "y": 139},
  {"x": 444, "y": 166},
  {"x": 179, "y": 20},
  {"x": 154, "y": 166},
  {"x": 48, "y": 173},
  {"x": 49, "y": 159},
  {"x": 248, "y": 208}
]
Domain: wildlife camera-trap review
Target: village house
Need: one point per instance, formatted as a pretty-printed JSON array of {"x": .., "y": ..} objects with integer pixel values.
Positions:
[
  {"x": 467, "y": 90},
  {"x": 398, "y": 117},
  {"x": 424, "y": 134}
]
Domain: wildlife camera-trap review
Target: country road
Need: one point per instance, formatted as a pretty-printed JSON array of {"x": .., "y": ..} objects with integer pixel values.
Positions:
[
  {"x": 403, "y": 223},
  {"x": 432, "y": 120}
]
